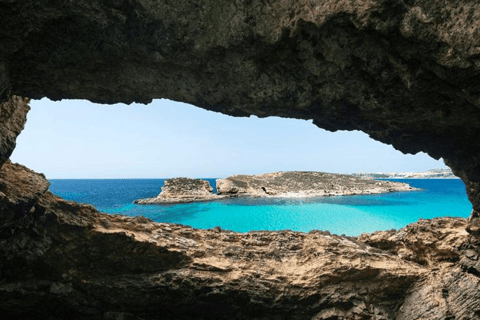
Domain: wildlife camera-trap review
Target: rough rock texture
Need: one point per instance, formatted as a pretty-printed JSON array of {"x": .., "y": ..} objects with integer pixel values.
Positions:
[
  {"x": 182, "y": 190},
  {"x": 304, "y": 184},
  {"x": 447, "y": 291},
  {"x": 60, "y": 260},
  {"x": 13, "y": 114},
  {"x": 20, "y": 188},
  {"x": 406, "y": 72}
]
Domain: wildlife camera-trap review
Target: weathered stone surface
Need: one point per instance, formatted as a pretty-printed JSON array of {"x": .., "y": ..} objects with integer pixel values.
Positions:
[
  {"x": 20, "y": 188},
  {"x": 303, "y": 184},
  {"x": 448, "y": 290},
  {"x": 183, "y": 190},
  {"x": 60, "y": 259},
  {"x": 404, "y": 72},
  {"x": 13, "y": 114}
]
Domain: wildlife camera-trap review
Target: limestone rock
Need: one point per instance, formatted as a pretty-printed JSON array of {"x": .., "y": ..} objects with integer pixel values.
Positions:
[
  {"x": 182, "y": 190},
  {"x": 20, "y": 188},
  {"x": 405, "y": 72},
  {"x": 444, "y": 246},
  {"x": 13, "y": 115},
  {"x": 61, "y": 259},
  {"x": 304, "y": 184}
]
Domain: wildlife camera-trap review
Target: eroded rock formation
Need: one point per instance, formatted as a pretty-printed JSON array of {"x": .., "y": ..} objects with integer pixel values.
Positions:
[
  {"x": 406, "y": 72},
  {"x": 60, "y": 259},
  {"x": 303, "y": 184},
  {"x": 13, "y": 115},
  {"x": 183, "y": 190}
]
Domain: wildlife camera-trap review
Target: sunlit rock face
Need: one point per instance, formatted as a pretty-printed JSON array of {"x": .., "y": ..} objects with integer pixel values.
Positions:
[
  {"x": 405, "y": 72},
  {"x": 183, "y": 190}
]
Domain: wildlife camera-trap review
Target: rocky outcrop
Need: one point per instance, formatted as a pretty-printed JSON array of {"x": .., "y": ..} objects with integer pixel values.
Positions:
[
  {"x": 60, "y": 259},
  {"x": 13, "y": 115},
  {"x": 304, "y": 184},
  {"x": 452, "y": 256},
  {"x": 182, "y": 190}
]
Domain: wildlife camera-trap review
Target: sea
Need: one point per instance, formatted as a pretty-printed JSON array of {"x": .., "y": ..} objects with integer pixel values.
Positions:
[{"x": 349, "y": 215}]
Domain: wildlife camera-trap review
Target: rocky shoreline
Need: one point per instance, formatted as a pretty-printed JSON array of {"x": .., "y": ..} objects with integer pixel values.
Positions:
[
  {"x": 64, "y": 260},
  {"x": 293, "y": 184}
]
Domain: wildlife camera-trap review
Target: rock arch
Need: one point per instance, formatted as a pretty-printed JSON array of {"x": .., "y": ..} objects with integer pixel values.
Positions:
[{"x": 404, "y": 72}]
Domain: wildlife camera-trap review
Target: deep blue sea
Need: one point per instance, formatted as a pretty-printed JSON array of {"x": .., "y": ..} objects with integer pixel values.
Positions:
[{"x": 350, "y": 215}]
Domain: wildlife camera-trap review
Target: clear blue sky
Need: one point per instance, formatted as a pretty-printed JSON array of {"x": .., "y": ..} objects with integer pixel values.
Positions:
[{"x": 79, "y": 139}]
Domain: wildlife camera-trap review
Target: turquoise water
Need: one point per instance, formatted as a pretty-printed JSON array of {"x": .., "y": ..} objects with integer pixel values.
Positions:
[{"x": 350, "y": 215}]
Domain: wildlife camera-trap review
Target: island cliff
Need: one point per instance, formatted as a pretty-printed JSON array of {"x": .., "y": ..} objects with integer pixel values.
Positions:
[
  {"x": 407, "y": 73},
  {"x": 182, "y": 190}
]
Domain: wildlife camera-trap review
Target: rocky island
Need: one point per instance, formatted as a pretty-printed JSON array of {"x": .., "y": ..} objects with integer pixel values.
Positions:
[
  {"x": 304, "y": 184},
  {"x": 182, "y": 190},
  {"x": 293, "y": 184}
]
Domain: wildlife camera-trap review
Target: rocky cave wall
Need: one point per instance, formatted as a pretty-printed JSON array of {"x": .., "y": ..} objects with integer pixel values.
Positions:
[{"x": 406, "y": 72}]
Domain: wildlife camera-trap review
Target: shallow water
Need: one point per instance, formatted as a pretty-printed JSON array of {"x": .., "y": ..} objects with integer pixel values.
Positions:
[{"x": 350, "y": 215}]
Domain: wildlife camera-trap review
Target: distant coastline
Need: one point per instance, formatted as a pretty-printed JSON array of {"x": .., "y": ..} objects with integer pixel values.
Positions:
[{"x": 445, "y": 173}]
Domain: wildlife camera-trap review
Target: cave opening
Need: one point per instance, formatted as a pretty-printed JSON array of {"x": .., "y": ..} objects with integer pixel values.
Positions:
[
  {"x": 96, "y": 144},
  {"x": 168, "y": 139},
  {"x": 404, "y": 72}
]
